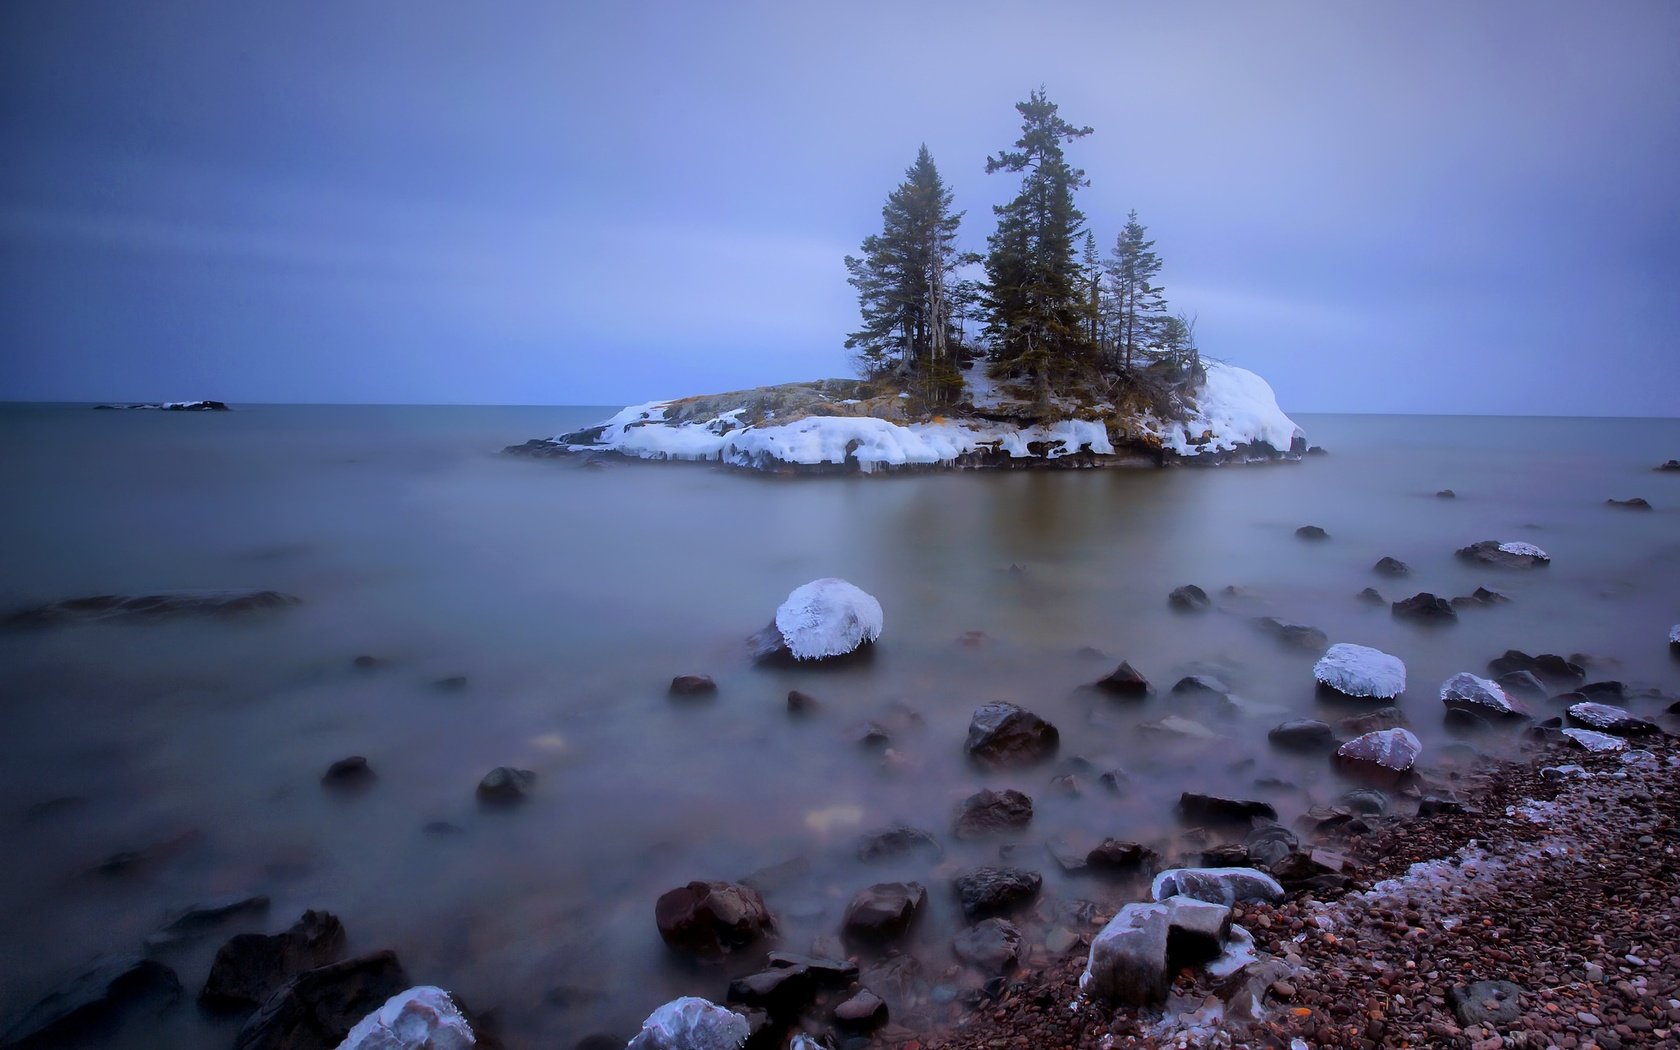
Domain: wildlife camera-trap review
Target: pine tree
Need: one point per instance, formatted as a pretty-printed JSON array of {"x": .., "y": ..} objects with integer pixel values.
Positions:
[
  {"x": 1034, "y": 290},
  {"x": 903, "y": 276},
  {"x": 1092, "y": 273},
  {"x": 1138, "y": 304}
]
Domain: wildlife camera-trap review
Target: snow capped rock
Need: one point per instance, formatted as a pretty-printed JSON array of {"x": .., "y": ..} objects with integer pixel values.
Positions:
[
  {"x": 1360, "y": 671},
  {"x": 1234, "y": 407},
  {"x": 421, "y": 1018},
  {"x": 1609, "y": 718},
  {"x": 1525, "y": 550},
  {"x": 1388, "y": 753},
  {"x": 1216, "y": 885},
  {"x": 1467, "y": 692},
  {"x": 823, "y": 618},
  {"x": 1674, "y": 635},
  {"x": 692, "y": 1023},
  {"x": 1595, "y": 741},
  {"x": 1512, "y": 555}
]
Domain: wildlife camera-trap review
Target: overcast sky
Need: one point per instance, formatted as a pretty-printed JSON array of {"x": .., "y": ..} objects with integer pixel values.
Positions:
[{"x": 1404, "y": 207}]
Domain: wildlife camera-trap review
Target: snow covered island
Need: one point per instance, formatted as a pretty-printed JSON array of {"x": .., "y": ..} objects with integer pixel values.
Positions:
[{"x": 1229, "y": 415}]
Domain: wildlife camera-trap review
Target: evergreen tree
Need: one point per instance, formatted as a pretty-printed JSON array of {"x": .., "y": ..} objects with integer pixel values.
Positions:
[
  {"x": 902, "y": 277},
  {"x": 1034, "y": 290},
  {"x": 1092, "y": 273},
  {"x": 1138, "y": 304}
]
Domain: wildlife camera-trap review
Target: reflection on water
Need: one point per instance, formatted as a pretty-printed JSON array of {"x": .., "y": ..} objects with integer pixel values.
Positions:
[{"x": 569, "y": 597}]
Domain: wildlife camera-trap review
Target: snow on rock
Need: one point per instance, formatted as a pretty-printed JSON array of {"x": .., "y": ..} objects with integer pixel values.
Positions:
[
  {"x": 1360, "y": 671},
  {"x": 1595, "y": 741},
  {"x": 1234, "y": 407},
  {"x": 1674, "y": 635},
  {"x": 1467, "y": 692},
  {"x": 1525, "y": 550},
  {"x": 1216, "y": 885},
  {"x": 692, "y": 1023},
  {"x": 1608, "y": 718},
  {"x": 823, "y": 618},
  {"x": 1385, "y": 753},
  {"x": 422, "y": 1018},
  {"x": 1510, "y": 555}
]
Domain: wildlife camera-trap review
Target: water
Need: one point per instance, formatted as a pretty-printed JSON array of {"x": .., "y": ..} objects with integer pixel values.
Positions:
[{"x": 569, "y": 597}]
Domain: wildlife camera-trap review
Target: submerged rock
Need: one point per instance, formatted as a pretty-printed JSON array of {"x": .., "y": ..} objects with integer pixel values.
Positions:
[
  {"x": 1302, "y": 734},
  {"x": 1386, "y": 755},
  {"x": 1311, "y": 532},
  {"x": 685, "y": 685},
  {"x": 1446, "y": 494},
  {"x": 883, "y": 912},
  {"x": 349, "y": 774},
  {"x": 987, "y": 812},
  {"x": 1201, "y": 684},
  {"x": 1467, "y": 692},
  {"x": 1511, "y": 555},
  {"x": 1548, "y": 667},
  {"x": 1425, "y": 608},
  {"x": 1371, "y": 596},
  {"x": 896, "y": 840},
  {"x": 820, "y": 620},
  {"x": 1359, "y": 671},
  {"x": 988, "y": 891},
  {"x": 712, "y": 919},
  {"x": 93, "y": 1000},
  {"x": 1003, "y": 735},
  {"x": 148, "y": 607},
  {"x": 1391, "y": 567},
  {"x": 692, "y": 1023},
  {"x": 1636, "y": 503},
  {"x": 1294, "y": 635},
  {"x": 1189, "y": 598},
  {"x": 319, "y": 1007},
  {"x": 505, "y": 786},
  {"x": 1127, "y": 681},
  {"x": 1607, "y": 718},
  {"x": 421, "y": 1018},
  {"x": 1479, "y": 598}
]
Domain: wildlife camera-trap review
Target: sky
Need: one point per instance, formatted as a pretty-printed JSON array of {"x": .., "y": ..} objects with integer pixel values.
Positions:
[{"x": 1407, "y": 207}]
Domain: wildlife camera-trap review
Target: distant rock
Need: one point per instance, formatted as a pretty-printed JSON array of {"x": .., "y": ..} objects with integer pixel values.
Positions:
[
  {"x": 1371, "y": 596},
  {"x": 1550, "y": 668},
  {"x": 1129, "y": 682},
  {"x": 712, "y": 919},
  {"x": 1636, "y": 503},
  {"x": 691, "y": 685},
  {"x": 91, "y": 1001},
  {"x": 1446, "y": 494},
  {"x": 1294, "y": 635},
  {"x": 988, "y": 890},
  {"x": 988, "y": 812},
  {"x": 505, "y": 786},
  {"x": 896, "y": 840},
  {"x": 1361, "y": 672},
  {"x": 1311, "y": 532},
  {"x": 883, "y": 912},
  {"x": 349, "y": 774},
  {"x": 199, "y": 919},
  {"x": 319, "y": 1007},
  {"x": 1004, "y": 735},
  {"x": 174, "y": 406},
  {"x": 1671, "y": 465},
  {"x": 1212, "y": 809},
  {"x": 1674, "y": 638},
  {"x": 1424, "y": 607},
  {"x": 1479, "y": 598},
  {"x": 1189, "y": 598},
  {"x": 1120, "y": 856},
  {"x": 421, "y": 1018},
  {"x": 799, "y": 703},
  {"x": 251, "y": 967},
  {"x": 692, "y": 1023},
  {"x": 1607, "y": 718},
  {"x": 821, "y": 620},
  {"x": 1200, "y": 684},
  {"x": 1177, "y": 725},
  {"x": 1467, "y": 692},
  {"x": 1385, "y": 755},
  {"x": 1512, "y": 555},
  {"x": 104, "y": 607},
  {"x": 992, "y": 946},
  {"x": 1391, "y": 567}
]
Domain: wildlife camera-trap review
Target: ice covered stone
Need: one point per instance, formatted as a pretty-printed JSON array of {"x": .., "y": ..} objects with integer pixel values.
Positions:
[
  {"x": 1595, "y": 741},
  {"x": 421, "y": 1018},
  {"x": 1128, "y": 960},
  {"x": 1360, "y": 671},
  {"x": 821, "y": 619},
  {"x": 691, "y": 1023},
  {"x": 1385, "y": 753},
  {"x": 1513, "y": 555},
  {"x": 1468, "y": 692},
  {"x": 1608, "y": 718},
  {"x": 1216, "y": 885}
]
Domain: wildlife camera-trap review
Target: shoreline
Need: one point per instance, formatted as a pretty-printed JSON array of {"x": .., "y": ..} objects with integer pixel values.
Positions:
[{"x": 1568, "y": 887}]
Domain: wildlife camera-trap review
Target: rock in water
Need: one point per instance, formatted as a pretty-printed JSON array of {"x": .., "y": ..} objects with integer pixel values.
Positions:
[
  {"x": 1189, "y": 598},
  {"x": 823, "y": 619},
  {"x": 1211, "y": 809},
  {"x": 1466, "y": 692},
  {"x": 1548, "y": 667},
  {"x": 92, "y": 1000},
  {"x": 148, "y": 607},
  {"x": 1295, "y": 635},
  {"x": 1386, "y": 755},
  {"x": 693, "y": 685},
  {"x": 992, "y": 946},
  {"x": 711, "y": 919},
  {"x": 1512, "y": 555},
  {"x": 988, "y": 812},
  {"x": 1608, "y": 718},
  {"x": 1371, "y": 596},
  {"x": 988, "y": 891},
  {"x": 1217, "y": 885},
  {"x": 1674, "y": 638},
  {"x": 1302, "y": 734},
  {"x": 505, "y": 786},
  {"x": 250, "y": 967},
  {"x": 1360, "y": 671},
  {"x": 1128, "y": 960},
  {"x": 1446, "y": 494},
  {"x": 422, "y": 1018},
  {"x": 883, "y": 912},
  {"x": 1312, "y": 532},
  {"x": 1117, "y": 855},
  {"x": 1002, "y": 735},
  {"x": 895, "y": 840},
  {"x": 1127, "y": 681},
  {"x": 692, "y": 1023},
  {"x": 319, "y": 1007},
  {"x": 1636, "y": 503},
  {"x": 1425, "y": 608},
  {"x": 1391, "y": 567}
]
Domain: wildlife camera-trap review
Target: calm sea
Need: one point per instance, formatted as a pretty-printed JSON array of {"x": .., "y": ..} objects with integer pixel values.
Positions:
[{"x": 569, "y": 597}]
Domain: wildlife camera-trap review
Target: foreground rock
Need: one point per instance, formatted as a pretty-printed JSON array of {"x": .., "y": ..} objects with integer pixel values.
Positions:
[
  {"x": 882, "y": 913},
  {"x": 1607, "y": 718},
  {"x": 251, "y": 967},
  {"x": 1385, "y": 755},
  {"x": 1513, "y": 555},
  {"x": 691, "y": 1023},
  {"x": 318, "y": 1008},
  {"x": 1302, "y": 734},
  {"x": 712, "y": 919},
  {"x": 1004, "y": 735},
  {"x": 421, "y": 1018},
  {"x": 103, "y": 607},
  {"x": 93, "y": 1001},
  {"x": 1467, "y": 692},
  {"x": 821, "y": 620},
  {"x": 1360, "y": 672},
  {"x": 988, "y": 812},
  {"x": 1132, "y": 960},
  {"x": 992, "y": 946},
  {"x": 1211, "y": 809},
  {"x": 990, "y": 891},
  {"x": 1216, "y": 885}
]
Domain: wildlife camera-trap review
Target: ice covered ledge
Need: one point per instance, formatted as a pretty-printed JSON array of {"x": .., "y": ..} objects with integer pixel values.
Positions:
[{"x": 833, "y": 426}]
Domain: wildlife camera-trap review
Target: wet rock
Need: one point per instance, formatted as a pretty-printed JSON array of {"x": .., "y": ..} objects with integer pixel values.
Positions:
[
  {"x": 692, "y": 1023},
  {"x": 1311, "y": 532},
  {"x": 992, "y": 946},
  {"x": 1479, "y": 696},
  {"x": 421, "y": 1018},
  {"x": 1200, "y": 684},
  {"x": 1521, "y": 682},
  {"x": 1371, "y": 596},
  {"x": 863, "y": 1012},
  {"x": 799, "y": 703},
  {"x": 1481, "y": 597},
  {"x": 692, "y": 685},
  {"x": 1189, "y": 598},
  {"x": 1594, "y": 741},
  {"x": 319, "y": 1007},
  {"x": 1446, "y": 494},
  {"x": 1266, "y": 845},
  {"x": 1212, "y": 809},
  {"x": 1636, "y": 503},
  {"x": 1118, "y": 855},
  {"x": 251, "y": 967},
  {"x": 1365, "y": 800},
  {"x": 988, "y": 891},
  {"x": 1671, "y": 465},
  {"x": 1424, "y": 608},
  {"x": 1602, "y": 691},
  {"x": 1302, "y": 734},
  {"x": 102, "y": 607},
  {"x": 1486, "y": 1002},
  {"x": 1217, "y": 885},
  {"x": 1392, "y": 567},
  {"x": 1359, "y": 671},
  {"x": 895, "y": 840},
  {"x": 782, "y": 991},
  {"x": 1128, "y": 960},
  {"x": 1511, "y": 555},
  {"x": 712, "y": 919},
  {"x": 1607, "y": 718},
  {"x": 1294, "y": 635},
  {"x": 988, "y": 812},
  {"x": 1004, "y": 735},
  {"x": 834, "y": 973},
  {"x": 505, "y": 786},
  {"x": 1196, "y": 931},
  {"x": 1126, "y": 681},
  {"x": 1386, "y": 755},
  {"x": 822, "y": 620},
  {"x": 349, "y": 774},
  {"x": 93, "y": 1002},
  {"x": 883, "y": 912},
  {"x": 1548, "y": 667}
]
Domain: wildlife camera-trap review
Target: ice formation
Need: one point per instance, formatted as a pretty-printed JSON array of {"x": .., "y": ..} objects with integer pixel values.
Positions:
[
  {"x": 421, "y": 1018},
  {"x": 692, "y": 1023},
  {"x": 828, "y": 617},
  {"x": 1234, "y": 407},
  {"x": 1359, "y": 670},
  {"x": 1527, "y": 550}
]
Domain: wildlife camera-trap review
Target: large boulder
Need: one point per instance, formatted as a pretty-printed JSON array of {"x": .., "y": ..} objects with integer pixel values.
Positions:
[
  {"x": 990, "y": 891},
  {"x": 1360, "y": 671},
  {"x": 148, "y": 607},
  {"x": 1385, "y": 756},
  {"x": 251, "y": 967},
  {"x": 988, "y": 812},
  {"x": 317, "y": 1009},
  {"x": 1511, "y": 555},
  {"x": 1424, "y": 608},
  {"x": 712, "y": 919},
  {"x": 1608, "y": 718},
  {"x": 1128, "y": 960},
  {"x": 93, "y": 1000},
  {"x": 883, "y": 912},
  {"x": 421, "y": 1018},
  {"x": 692, "y": 1023},
  {"x": 1001, "y": 735},
  {"x": 1217, "y": 885},
  {"x": 1467, "y": 692},
  {"x": 992, "y": 946},
  {"x": 820, "y": 620}
]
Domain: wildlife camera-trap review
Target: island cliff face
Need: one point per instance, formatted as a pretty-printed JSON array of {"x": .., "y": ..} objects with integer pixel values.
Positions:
[{"x": 1229, "y": 415}]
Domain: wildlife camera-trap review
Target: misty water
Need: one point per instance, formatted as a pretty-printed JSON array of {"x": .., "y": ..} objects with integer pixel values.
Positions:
[{"x": 569, "y": 597}]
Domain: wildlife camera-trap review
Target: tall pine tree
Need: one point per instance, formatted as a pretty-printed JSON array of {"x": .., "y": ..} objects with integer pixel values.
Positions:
[
  {"x": 1139, "y": 307},
  {"x": 903, "y": 276},
  {"x": 1034, "y": 291}
]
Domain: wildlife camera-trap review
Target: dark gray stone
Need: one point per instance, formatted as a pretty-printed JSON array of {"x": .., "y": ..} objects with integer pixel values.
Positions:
[
  {"x": 1004, "y": 735},
  {"x": 988, "y": 891}
]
